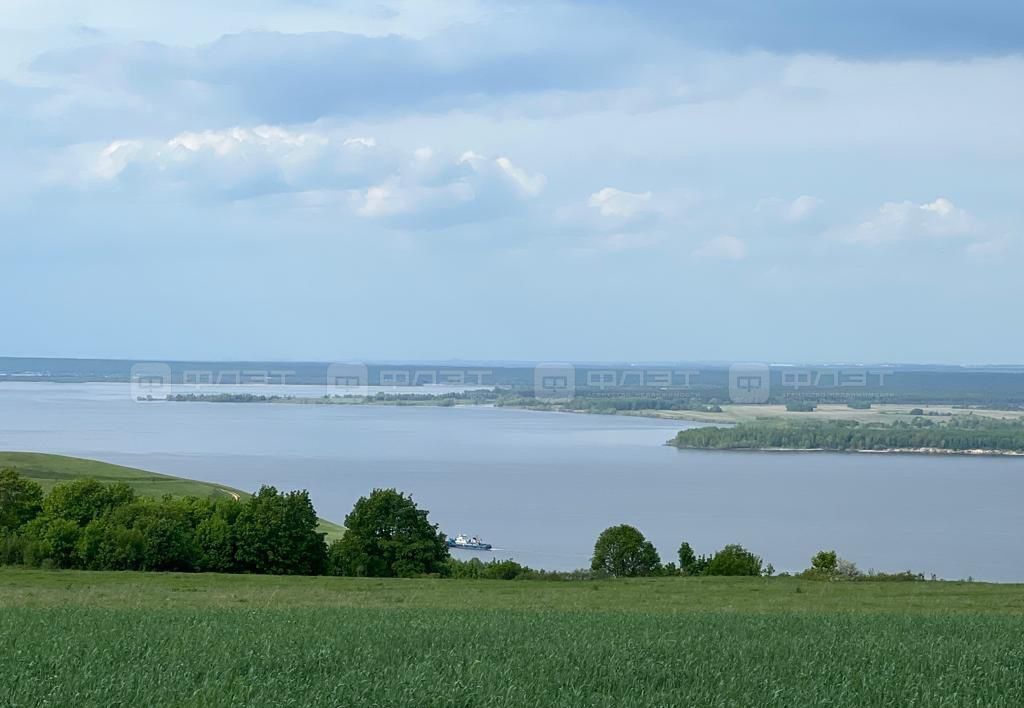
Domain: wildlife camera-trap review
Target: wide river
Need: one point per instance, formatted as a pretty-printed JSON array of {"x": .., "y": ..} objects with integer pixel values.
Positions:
[{"x": 541, "y": 486}]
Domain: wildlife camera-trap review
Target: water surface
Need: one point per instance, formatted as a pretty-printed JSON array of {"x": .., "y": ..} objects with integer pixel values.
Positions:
[{"x": 541, "y": 486}]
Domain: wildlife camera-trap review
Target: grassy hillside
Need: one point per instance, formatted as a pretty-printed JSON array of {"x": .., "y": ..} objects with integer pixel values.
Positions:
[
  {"x": 49, "y": 470},
  {"x": 170, "y": 639}
]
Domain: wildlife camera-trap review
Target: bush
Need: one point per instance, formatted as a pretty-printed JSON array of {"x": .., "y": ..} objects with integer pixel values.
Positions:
[
  {"x": 824, "y": 562},
  {"x": 800, "y": 406},
  {"x": 11, "y": 549},
  {"x": 847, "y": 570},
  {"x": 826, "y": 565},
  {"x": 690, "y": 563},
  {"x": 61, "y": 539},
  {"x": 215, "y": 545},
  {"x": 21, "y": 500},
  {"x": 475, "y": 569},
  {"x": 734, "y": 560},
  {"x": 622, "y": 551},
  {"x": 104, "y": 545}
]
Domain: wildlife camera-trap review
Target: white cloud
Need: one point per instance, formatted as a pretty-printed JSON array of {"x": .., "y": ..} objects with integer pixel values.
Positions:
[
  {"x": 798, "y": 210},
  {"x": 802, "y": 207},
  {"x": 430, "y": 190},
  {"x": 115, "y": 157},
  {"x": 987, "y": 249},
  {"x": 616, "y": 203},
  {"x": 262, "y": 158},
  {"x": 395, "y": 198},
  {"x": 723, "y": 247},
  {"x": 900, "y": 221},
  {"x": 376, "y": 181},
  {"x": 530, "y": 185},
  {"x": 365, "y": 142}
]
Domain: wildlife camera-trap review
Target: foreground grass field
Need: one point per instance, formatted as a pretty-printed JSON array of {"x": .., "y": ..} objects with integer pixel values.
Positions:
[
  {"x": 76, "y": 638},
  {"x": 49, "y": 470}
]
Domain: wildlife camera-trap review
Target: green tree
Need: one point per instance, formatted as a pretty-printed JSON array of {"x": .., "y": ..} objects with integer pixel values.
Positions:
[
  {"x": 277, "y": 533},
  {"x": 169, "y": 542},
  {"x": 61, "y": 539},
  {"x": 387, "y": 535},
  {"x": 824, "y": 562},
  {"x": 104, "y": 545},
  {"x": 83, "y": 500},
  {"x": 215, "y": 545},
  {"x": 20, "y": 499},
  {"x": 686, "y": 557},
  {"x": 734, "y": 560},
  {"x": 622, "y": 551}
]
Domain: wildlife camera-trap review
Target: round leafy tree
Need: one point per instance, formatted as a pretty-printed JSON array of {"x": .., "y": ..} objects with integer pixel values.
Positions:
[
  {"x": 623, "y": 551},
  {"x": 734, "y": 560},
  {"x": 388, "y": 536}
]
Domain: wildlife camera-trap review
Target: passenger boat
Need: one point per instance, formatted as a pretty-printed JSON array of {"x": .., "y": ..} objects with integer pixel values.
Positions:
[{"x": 468, "y": 543}]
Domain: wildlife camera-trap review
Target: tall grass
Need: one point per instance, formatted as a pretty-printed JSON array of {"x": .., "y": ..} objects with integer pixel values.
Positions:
[{"x": 451, "y": 657}]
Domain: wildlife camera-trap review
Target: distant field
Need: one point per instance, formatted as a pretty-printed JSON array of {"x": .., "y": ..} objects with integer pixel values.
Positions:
[
  {"x": 75, "y": 638},
  {"x": 879, "y": 413},
  {"x": 49, "y": 470},
  {"x": 22, "y": 587}
]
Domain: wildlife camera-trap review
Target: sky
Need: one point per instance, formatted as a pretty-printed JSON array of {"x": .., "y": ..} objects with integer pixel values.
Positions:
[{"x": 513, "y": 180}]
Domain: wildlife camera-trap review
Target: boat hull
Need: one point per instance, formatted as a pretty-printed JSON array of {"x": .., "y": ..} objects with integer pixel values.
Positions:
[{"x": 470, "y": 546}]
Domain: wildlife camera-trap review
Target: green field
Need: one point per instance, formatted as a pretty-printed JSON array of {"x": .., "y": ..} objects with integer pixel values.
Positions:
[
  {"x": 78, "y": 638},
  {"x": 49, "y": 470}
]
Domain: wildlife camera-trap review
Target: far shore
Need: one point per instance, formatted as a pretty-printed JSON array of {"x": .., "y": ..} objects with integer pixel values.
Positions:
[{"x": 886, "y": 451}]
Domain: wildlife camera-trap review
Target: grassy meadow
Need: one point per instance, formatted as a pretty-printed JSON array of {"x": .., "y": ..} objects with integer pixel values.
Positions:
[{"x": 82, "y": 638}]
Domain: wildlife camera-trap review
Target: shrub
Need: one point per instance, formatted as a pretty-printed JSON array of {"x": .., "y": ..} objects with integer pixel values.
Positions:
[
  {"x": 476, "y": 569},
  {"x": 215, "y": 545},
  {"x": 104, "y": 545},
  {"x": 12, "y": 548},
  {"x": 824, "y": 562},
  {"x": 734, "y": 560},
  {"x": 21, "y": 500}
]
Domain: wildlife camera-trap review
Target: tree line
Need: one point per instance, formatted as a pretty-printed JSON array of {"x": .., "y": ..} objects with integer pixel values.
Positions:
[
  {"x": 89, "y": 525},
  {"x": 959, "y": 433}
]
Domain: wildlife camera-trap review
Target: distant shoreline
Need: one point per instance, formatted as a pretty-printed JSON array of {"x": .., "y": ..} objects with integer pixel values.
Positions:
[{"x": 887, "y": 451}]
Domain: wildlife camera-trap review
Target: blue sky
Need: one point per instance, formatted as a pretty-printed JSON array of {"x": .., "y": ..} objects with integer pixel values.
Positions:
[{"x": 315, "y": 180}]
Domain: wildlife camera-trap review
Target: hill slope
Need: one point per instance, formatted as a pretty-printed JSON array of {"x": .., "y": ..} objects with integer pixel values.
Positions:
[{"x": 49, "y": 470}]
